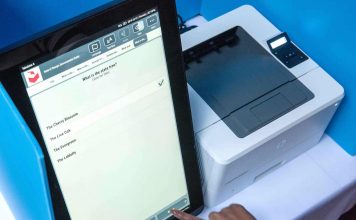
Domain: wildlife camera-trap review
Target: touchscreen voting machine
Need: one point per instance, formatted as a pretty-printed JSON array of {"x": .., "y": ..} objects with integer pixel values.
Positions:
[{"x": 106, "y": 98}]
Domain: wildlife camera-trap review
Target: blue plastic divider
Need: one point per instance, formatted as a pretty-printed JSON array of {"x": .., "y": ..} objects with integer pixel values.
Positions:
[
  {"x": 23, "y": 179},
  {"x": 188, "y": 8},
  {"x": 22, "y": 19}
]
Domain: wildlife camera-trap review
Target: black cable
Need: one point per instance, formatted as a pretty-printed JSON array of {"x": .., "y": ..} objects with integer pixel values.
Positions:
[
  {"x": 181, "y": 22},
  {"x": 182, "y": 25}
]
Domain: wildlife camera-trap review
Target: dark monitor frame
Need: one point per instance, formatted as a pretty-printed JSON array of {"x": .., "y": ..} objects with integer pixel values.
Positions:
[{"x": 104, "y": 17}]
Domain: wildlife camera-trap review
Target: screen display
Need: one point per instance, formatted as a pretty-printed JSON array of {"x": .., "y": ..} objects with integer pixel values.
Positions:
[
  {"x": 105, "y": 111},
  {"x": 281, "y": 41}
]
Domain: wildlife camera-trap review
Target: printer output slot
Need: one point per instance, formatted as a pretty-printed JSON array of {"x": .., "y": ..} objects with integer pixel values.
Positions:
[
  {"x": 267, "y": 108},
  {"x": 227, "y": 38}
]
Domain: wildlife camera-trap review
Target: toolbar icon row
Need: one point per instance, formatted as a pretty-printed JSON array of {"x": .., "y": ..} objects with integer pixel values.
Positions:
[
  {"x": 123, "y": 33},
  {"x": 108, "y": 41}
]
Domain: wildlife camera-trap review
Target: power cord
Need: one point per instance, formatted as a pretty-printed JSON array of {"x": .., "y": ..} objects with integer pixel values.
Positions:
[{"x": 182, "y": 25}]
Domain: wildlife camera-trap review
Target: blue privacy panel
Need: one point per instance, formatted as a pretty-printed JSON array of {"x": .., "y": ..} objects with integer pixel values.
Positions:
[
  {"x": 23, "y": 180},
  {"x": 326, "y": 31},
  {"x": 188, "y": 8},
  {"x": 21, "y": 19}
]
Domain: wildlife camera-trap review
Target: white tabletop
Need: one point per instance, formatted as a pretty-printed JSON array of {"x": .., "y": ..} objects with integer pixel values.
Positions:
[
  {"x": 5, "y": 211},
  {"x": 319, "y": 184}
]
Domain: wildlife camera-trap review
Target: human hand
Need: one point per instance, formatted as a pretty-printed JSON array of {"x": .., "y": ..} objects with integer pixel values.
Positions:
[{"x": 233, "y": 212}]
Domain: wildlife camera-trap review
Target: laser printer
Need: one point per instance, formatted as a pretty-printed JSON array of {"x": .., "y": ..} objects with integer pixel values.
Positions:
[{"x": 253, "y": 110}]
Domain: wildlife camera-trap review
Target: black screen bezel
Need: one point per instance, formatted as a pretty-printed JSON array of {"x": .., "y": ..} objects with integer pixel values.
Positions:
[{"x": 106, "y": 17}]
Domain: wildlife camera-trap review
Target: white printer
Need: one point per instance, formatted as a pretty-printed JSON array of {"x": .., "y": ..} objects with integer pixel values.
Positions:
[{"x": 252, "y": 112}]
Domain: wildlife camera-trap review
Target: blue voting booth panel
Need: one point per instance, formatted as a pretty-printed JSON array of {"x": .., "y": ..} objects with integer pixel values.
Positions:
[
  {"x": 22, "y": 19},
  {"x": 326, "y": 31},
  {"x": 188, "y": 8},
  {"x": 23, "y": 179}
]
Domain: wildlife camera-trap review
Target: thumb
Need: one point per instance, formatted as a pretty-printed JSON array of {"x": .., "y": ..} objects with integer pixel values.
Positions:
[{"x": 182, "y": 215}]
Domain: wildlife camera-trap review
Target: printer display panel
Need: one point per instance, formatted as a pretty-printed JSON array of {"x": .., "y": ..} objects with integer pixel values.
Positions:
[{"x": 105, "y": 111}]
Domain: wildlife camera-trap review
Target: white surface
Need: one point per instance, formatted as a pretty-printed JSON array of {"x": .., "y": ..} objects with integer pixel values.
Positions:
[
  {"x": 5, "y": 212},
  {"x": 303, "y": 187},
  {"x": 198, "y": 20}
]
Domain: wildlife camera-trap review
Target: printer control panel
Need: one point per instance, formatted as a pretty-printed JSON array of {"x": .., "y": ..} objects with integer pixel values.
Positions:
[{"x": 286, "y": 51}]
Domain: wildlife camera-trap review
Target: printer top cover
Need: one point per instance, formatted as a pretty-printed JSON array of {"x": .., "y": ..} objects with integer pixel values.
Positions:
[{"x": 245, "y": 85}]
